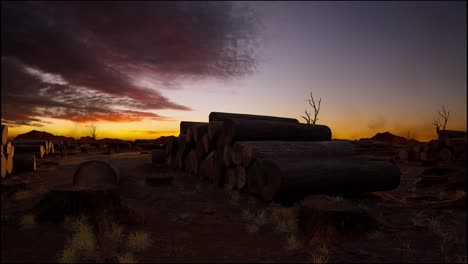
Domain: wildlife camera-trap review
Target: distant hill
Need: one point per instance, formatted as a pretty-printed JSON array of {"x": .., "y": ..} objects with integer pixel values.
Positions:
[
  {"x": 42, "y": 135},
  {"x": 390, "y": 138}
]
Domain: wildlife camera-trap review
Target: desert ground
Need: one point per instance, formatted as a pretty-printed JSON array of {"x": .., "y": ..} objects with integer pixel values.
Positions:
[{"x": 190, "y": 221}]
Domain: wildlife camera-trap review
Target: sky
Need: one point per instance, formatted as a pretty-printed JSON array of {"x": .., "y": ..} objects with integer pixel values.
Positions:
[{"x": 136, "y": 69}]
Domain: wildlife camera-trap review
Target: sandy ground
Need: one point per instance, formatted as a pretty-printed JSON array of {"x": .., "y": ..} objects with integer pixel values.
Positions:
[{"x": 190, "y": 221}]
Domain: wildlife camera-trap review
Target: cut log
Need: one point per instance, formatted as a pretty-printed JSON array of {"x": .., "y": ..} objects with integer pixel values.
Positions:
[
  {"x": 181, "y": 140},
  {"x": 24, "y": 162},
  {"x": 260, "y": 130},
  {"x": 96, "y": 173},
  {"x": 4, "y": 166},
  {"x": 37, "y": 150},
  {"x": 227, "y": 156},
  {"x": 253, "y": 173},
  {"x": 4, "y": 134},
  {"x": 186, "y": 124},
  {"x": 7, "y": 149},
  {"x": 189, "y": 134},
  {"x": 444, "y": 134},
  {"x": 192, "y": 162},
  {"x": 2, "y": 150},
  {"x": 187, "y": 164},
  {"x": 214, "y": 168},
  {"x": 158, "y": 156},
  {"x": 241, "y": 176},
  {"x": 445, "y": 154},
  {"x": 214, "y": 129},
  {"x": 338, "y": 175},
  {"x": 44, "y": 143},
  {"x": 200, "y": 150},
  {"x": 219, "y": 116},
  {"x": 248, "y": 151},
  {"x": 171, "y": 146},
  {"x": 207, "y": 143},
  {"x": 327, "y": 217},
  {"x": 231, "y": 179},
  {"x": 198, "y": 132},
  {"x": 9, "y": 163}
]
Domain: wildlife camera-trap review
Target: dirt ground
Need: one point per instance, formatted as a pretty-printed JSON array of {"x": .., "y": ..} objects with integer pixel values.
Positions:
[{"x": 189, "y": 221}]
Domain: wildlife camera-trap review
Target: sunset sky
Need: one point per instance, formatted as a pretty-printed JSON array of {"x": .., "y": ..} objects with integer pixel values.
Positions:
[{"x": 136, "y": 69}]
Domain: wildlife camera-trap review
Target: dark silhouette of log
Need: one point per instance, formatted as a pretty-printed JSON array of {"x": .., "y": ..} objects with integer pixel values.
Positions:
[
  {"x": 4, "y": 167},
  {"x": 445, "y": 154},
  {"x": 214, "y": 129},
  {"x": 444, "y": 134},
  {"x": 241, "y": 176},
  {"x": 199, "y": 149},
  {"x": 198, "y": 132},
  {"x": 186, "y": 124},
  {"x": 219, "y": 116},
  {"x": 182, "y": 143},
  {"x": 44, "y": 143},
  {"x": 260, "y": 130},
  {"x": 253, "y": 173},
  {"x": 38, "y": 150},
  {"x": 172, "y": 146},
  {"x": 4, "y": 134},
  {"x": 158, "y": 156},
  {"x": 231, "y": 179},
  {"x": 337, "y": 175},
  {"x": 227, "y": 156},
  {"x": 189, "y": 134},
  {"x": 247, "y": 151},
  {"x": 96, "y": 173},
  {"x": 24, "y": 162},
  {"x": 208, "y": 144},
  {"x": 214, "y": 168},
  {"x": 193, "y": 162},
  {"x": 330, "y": 218}
]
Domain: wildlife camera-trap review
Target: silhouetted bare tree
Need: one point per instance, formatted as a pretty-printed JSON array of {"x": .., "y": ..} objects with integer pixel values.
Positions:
[
  {"x": 440, "y": 125},
  {"x": 93, "y": 131},
  {"x": 312, "y": 103}
]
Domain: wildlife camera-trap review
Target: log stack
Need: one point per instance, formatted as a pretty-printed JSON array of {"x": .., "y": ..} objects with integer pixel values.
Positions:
[
  {"x": 7, "y": 154},
  {"x": 273, "y": 157},
  {"x": 450, "y": 146}
]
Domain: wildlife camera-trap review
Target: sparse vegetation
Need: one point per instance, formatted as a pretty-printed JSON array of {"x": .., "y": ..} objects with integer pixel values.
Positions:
[
  {"x": 320, "y": 254},
  {"x": 418, "y": 219},
  {"x": 126, "y": 258},
  {"x": 234, "y": 197},
  {"x": 82, "y": 244},
  {"x": 292, "y": 243},
  {"x": 261, "y": 218},
  {"x": 247, "y": 214},
  {"x": 252, "y": 228},
  {"x": 138, "y": 241},
  {"x": 116, "y": 232},
  {"x": 21, "y": 195},
  {"x": 460, "y": 194},
  {"x": 313, "y": 103},
  {"x": 27, "y": 221},
  {"x": 441, "y": 124}
]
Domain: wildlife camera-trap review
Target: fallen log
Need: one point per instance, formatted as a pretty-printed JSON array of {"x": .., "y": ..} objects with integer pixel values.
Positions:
[
  {"x": 172, "y": 145},
  {"x": 220, "y": 116},
  {"x": 198, "y": 131},
  {"x": 37, "y": 150},
  {"x": 253, "y": 173},
  {"x": 231, "y": 179},
  {"x": 445, "y": 154},
  {"x": 227, "y": 156},
  {"x": 248, "y": 151},
  {"x": 214, "y": 168},
  {"x": 261, "y": 130},
  {"x": 241, "y": 176},
  {"x": 4, "y": 167},
  {"x": 200, "y": 150},
  {"x": 24, "y": 162},
  {"x": 9, "y": 164},
  {"x": 193, "y": 162},
  {"x": 338, "y": 175},
  {"x": 4, "y": 134},
  {"x": 158, "y": 156},
  {"x": 96, "y": 173},
  {"x": 444, "y": 134},
  {"x": 207, "y": 143},
  {"x": 7, "y": 149}
]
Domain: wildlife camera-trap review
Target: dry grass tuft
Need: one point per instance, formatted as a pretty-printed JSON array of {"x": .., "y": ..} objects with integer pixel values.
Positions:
[
  {"x": 320, "y": 255},
  {"x": 247, "y": 215},
  {"x": 68, "y": 255},
  {"x": 234, "y": 197},
  {"x": 28, "y": 221},
  {"x": 21, "y": 195},
  {"x": 81, "y": 245},
  {"x": 116, "y": 232},
  {"x": 292, "y": 243},
  {"x": 126, "y": 258},
  {"x": 252, "y": 228},
  {"x": 460, "y": 194},
  {"x": 138, "y": 241},
  {"x": 418, "y": 219},
  {"x": 262, "y": 218}
]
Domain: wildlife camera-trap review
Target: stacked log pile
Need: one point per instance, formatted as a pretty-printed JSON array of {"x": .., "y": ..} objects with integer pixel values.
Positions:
[
  {"x": 274, "y": 156},
  {"x": 450, "y": 146}
]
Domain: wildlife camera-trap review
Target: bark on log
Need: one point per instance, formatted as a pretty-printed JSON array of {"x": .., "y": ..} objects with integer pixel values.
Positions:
[
  {"x": 38, "y": 150},
  {"x": 96, "y": 173},
  {"x": 186, "y": 124},
  {"x": 4, "y": 134},
  {"x": 193, "y": 162},
  {"x": 253, "y": 130},
  {"x": 189, "y": 134},
  {"x": 172, "y": 145},
  {"x": 198, "y": 132},
  {"x": 214, "y": 129},
  {"x": 236, "y": 154},
  {"x": 241, "y": 176},
  {"x": 328, "y": 218},
  {"x": 200, "y": 150},
  {"x": 9, "y": 163},
  {"x": 181, "y": 140},
  {"x": 251, "y": 150},
  {"x": 158, "y": 156},
  {"x": 453, "y": 142},
  {"x": 342, "y": 175},
  {"x": 231, "y": 179},
  {"x": 207, "y": 143},
  {"x": 445, "y": 154},
  {"x": 214, "y": 168},
  {"x": 2, "y": 150},
  {"x": 4, "y": 167},
  {"x": 24, "y": 162},
  {"x": 7, "y": 149},
  {"x": 220, "y": 116}
]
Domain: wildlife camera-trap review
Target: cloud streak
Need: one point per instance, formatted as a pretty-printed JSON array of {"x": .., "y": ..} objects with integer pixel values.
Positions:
[{"x": 90, "y": 61}]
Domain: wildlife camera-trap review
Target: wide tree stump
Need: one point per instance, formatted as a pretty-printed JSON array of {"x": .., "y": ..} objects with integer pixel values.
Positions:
[
  {"x": 96, "y": 173},
  {"x": 78, "y": 201},
  {"x": 336, "y": 217}
]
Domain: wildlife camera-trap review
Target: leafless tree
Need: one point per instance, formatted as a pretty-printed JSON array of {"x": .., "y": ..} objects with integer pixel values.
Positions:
[
  {"x": 440, "y": 125},
  {"x": 93, "y": 131},
  {"x": 312, "y": 103}
]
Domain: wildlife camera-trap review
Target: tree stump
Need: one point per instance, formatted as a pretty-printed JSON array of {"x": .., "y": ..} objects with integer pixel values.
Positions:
[{"x": 95, "y": 173}]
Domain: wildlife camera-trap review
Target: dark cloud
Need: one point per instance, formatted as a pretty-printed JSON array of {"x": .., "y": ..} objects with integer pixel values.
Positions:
[{"x": 109, "y": 47}]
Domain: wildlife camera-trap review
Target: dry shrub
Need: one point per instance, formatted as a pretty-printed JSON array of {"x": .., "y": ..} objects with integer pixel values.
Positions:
[{"x": 138, "y": 241}]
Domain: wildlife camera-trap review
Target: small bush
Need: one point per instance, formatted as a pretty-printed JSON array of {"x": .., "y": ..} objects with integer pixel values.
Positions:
[
  {"x": 126, "y": 258},
  {"x": 27, "y": 221},
  {"x": 247, "y": 215},
  {"x": 116, "y": 232},
  {"x": 320, "y": 255},
  {"x": 138, "y": 241},
  {"x": 292, "y": 243},
  {"x": 68, "y": 255},
  {"x": 252, "y": 228}
]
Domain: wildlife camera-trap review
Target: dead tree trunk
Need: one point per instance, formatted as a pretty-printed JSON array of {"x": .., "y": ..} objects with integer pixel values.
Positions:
[
  {"x": 253, "y": 130},
  {"x": 219, "y": 116},
  {"x": 326, "y": 175},
  {"x": 244, "y": 152}
]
